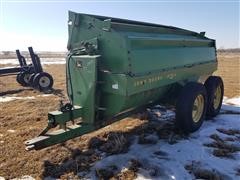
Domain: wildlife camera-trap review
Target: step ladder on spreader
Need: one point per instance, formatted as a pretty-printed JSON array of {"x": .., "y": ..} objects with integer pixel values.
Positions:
[{"x": 31, "y": 75}]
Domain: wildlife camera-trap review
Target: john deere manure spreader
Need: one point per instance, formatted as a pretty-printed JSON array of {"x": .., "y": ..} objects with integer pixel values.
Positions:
[{"x": 115, "y": 67}]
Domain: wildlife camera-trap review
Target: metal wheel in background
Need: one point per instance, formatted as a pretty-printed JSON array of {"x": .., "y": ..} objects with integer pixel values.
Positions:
[
  {"x": 26, "y": 77},
  {"x": 23, "y": 78},
  {"x": 31, "y": 77},
  {"x": 18, "y": 78},
  {"x": 43, "y": 81}
]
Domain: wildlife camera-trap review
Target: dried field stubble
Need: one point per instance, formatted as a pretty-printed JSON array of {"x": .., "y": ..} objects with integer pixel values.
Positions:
[{"x": 229, "y": 70}]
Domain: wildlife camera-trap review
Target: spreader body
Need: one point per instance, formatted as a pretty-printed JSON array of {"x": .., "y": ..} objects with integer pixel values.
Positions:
[{"x": 117, "y": 66}]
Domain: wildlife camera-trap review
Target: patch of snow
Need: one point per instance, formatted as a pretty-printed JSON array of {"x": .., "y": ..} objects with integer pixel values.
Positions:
[
  {"x": 11, "y": 131},
  {"x": 151, "y": 138},
  {"x": 44, "y": 61},
  {"x": 9, "y": 61},
  {"x": 171, "y": 162},
  {"x": 232, "y": 105},
  {"x": 26, "y": 177},
  {"x": 230, "y": 108},
  {"x": 232, "y": 101},
  {"x": 45, "y": 95},
  {"x": 12, "y": 98}
]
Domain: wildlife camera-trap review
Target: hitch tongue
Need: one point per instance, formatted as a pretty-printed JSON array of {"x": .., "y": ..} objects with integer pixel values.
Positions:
[
  {"x": 64, "y": 133},
  {"x": 58, "y": 136}
]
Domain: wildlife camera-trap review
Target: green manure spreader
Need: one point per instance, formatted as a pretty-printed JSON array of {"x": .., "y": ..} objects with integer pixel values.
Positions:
[{"x": 116, "y": 67}]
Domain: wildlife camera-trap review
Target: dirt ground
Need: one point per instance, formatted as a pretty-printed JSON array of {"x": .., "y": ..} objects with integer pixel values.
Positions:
[{"x": 21, "y": 120}]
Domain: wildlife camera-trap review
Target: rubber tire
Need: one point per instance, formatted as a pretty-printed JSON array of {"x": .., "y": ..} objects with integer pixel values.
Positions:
[
  {"x": 21, "y": 78},
  {"x": 211, "y": 85},
  {"x": 18, "y": 79},
  {"x": 184, "y": 107},
  {"x": 31, "y": 79},
  {"x": 37, "y": 84}
]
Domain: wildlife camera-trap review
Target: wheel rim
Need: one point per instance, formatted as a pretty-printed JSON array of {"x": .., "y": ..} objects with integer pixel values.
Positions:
[
  {"x": 44, "y": 81},
  {"x": 26, "y": 78},
  {"x": 198, "y": 107},
  {"x": 217, "y": 97}
]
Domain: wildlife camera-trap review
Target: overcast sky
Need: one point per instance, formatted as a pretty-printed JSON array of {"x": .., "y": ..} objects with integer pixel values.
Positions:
[{"x": 43, "y": 24}]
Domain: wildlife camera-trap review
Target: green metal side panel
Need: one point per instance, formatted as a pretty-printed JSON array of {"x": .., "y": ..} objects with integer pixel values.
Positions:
[
  {"x": 163, "y": 78},
  {"x": 125, "y": 85},
  {"x": 151, "y": 40},
  {"x": 136, "y": 47},
  {"x": 81, "y": 84},
  {"x": 121, "y": 92},
  {"x": 160, "y": 52},
  {"x": 149, "y": 60}
]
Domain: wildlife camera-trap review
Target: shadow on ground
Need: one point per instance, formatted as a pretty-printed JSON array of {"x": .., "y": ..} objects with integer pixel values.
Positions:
[{"x": 15, "y": 91}]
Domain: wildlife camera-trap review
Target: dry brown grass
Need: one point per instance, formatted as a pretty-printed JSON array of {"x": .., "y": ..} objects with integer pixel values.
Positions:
[
  {"x": 229, "y": 70},
  {"x": 221, "y": 147},
  {"x": 29, "y": 117}
]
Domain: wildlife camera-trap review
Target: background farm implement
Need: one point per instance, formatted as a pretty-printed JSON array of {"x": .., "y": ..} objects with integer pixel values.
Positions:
[{"x": 31, "y": 75}]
